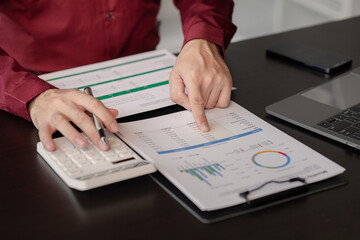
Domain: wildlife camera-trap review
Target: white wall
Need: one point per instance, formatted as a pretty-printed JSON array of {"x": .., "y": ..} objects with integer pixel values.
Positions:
[{"x": 262, "y": 17}]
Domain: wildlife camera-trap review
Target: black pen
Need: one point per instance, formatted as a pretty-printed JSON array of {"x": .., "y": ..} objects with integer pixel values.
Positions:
[{"x": 98, "y": 123}]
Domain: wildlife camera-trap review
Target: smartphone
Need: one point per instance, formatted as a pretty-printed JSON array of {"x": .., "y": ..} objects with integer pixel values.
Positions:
[{"x": 311, "y": 57}]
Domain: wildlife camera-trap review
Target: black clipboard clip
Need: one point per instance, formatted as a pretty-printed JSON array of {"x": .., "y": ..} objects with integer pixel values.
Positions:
[
  {"x": 208, "y": 217},
  {"x": 276, "y": 196}
]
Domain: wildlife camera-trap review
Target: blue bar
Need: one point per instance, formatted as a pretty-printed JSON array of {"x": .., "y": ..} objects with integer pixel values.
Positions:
[
  {"x": 189, "y": 172},
  {"x": 197, "y": 175},
  {"x": 215, "y": 171},
  {"x": 193, "y": 173},
  {"x": 204, "y": 168},
  {"x": 209, "y": 167},
  {"x": 197, "y": 169},
  {"x": 207, "y": 182},
  {"x": 220, "y": 166},
  {"x": 211, "y": 143},
  {"x": 216, "y": 167}
]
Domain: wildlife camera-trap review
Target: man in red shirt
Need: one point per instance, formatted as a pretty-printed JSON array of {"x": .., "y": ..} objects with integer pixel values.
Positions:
[{"x": 39, "y": 36}]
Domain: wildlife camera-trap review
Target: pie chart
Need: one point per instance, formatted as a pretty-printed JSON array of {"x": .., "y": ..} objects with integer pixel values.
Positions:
[{"x": 271, "y": 159}]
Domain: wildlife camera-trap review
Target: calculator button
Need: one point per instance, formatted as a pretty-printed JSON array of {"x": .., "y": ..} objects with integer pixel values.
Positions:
[
  {"x": 115, "y": 142},
  {"x": 89, "y": 162},
  {"x": 66, "y": 161},
  {"x": 59, "y": 155},
  {"x": 123, "y": 151},
  {"x": 110, "y": 155},
  {"x": 63, "y": 144}
]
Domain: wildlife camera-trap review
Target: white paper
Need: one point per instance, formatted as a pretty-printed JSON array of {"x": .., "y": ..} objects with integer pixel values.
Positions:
[
  {"x": 131, "y": 84},
  {"x": 241, "y": 152}
]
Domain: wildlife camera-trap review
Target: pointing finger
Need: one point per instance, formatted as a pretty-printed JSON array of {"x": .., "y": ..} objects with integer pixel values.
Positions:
[{"x": 197, "y": 107}]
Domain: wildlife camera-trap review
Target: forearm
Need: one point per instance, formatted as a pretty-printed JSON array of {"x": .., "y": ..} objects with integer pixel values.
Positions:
[{"x": 18, "y": 86}]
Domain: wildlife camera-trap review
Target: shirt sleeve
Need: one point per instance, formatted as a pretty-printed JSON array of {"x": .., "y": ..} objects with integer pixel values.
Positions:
[
  {"x": 18, "y": 86},
  {"x": 207, "y": 19}
]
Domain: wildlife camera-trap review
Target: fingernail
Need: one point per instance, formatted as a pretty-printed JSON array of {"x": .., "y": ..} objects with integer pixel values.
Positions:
[
  {"x": 204, "y": 127},
  {"x": 80, "y": 142},
  {"x": 48, "y": 146},
  {"x": 103, "y": 140},
  {"x": 114, "y": 127},
  {"x": 103, "y": 145}
]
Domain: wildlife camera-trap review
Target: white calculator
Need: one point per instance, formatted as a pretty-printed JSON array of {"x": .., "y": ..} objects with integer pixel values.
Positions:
[{"x": 88, "y": 168}]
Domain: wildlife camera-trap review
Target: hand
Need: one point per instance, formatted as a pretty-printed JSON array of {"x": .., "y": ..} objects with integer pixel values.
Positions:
[
  {"x": 202, "y": 70},
  {"x": 54, "y": 109}
]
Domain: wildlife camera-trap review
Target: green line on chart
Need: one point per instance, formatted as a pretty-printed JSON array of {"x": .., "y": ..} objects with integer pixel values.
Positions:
[
  {"x": 99, "y": 69},
  {"x": 132, "y": 90},
  {"x": 117, "y": 79},
  {"x": 195, "y": 174},
  {"x": 210, "y": 169},
  {"x": 206, "y": 169},
  {"x": 130, "y": 76}
]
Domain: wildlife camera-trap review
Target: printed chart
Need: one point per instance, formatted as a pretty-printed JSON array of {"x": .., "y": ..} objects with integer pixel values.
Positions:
[
  {"x": 240, "y": 152},
  {"x": 130, "y": 84},
  {"x": 174, "y": 139},
  {"x": 205, "y": 173},
  {"x": 271, "y": 159}
]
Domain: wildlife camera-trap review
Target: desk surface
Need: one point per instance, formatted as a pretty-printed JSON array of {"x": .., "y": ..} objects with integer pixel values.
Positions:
[{"x": 34, "y": 203}]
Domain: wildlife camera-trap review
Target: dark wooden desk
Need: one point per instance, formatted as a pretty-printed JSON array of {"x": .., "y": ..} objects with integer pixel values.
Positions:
[{"x": 35, "y": 204}]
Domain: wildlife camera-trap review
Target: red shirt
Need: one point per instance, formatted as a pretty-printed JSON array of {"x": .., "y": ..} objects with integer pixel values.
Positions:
[{"x": 50, "y": 35}]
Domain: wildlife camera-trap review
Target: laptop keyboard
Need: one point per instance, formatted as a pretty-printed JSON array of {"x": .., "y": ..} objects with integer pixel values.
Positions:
[{"x": 346, "y": 122}]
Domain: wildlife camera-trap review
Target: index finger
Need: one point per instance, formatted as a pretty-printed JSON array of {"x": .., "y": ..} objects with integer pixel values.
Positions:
[
  {"x": 95, "y": 106},
  {"x": 197, "y": 107}
]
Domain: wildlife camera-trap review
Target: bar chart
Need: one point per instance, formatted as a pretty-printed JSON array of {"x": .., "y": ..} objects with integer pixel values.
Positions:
[{"x": 205, "y": 173}]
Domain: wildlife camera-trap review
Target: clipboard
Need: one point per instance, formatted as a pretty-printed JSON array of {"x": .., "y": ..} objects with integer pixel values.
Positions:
[{"x": 208, "y": 217}]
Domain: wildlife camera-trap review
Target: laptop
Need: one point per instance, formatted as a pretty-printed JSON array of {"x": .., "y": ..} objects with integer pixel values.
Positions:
[{"x": 331, "y": 109}]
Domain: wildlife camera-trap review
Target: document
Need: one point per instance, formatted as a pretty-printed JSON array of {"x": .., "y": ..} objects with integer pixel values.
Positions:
[
  {"x": 241, "y": 152},
  {"x": 131, "y": 84}
]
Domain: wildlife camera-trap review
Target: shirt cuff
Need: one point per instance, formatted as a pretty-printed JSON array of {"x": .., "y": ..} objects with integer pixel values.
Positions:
[{"x": 220, "y": 37}]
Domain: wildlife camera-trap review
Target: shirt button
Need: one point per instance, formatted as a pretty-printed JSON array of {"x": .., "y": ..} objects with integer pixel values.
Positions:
[{"x": 110, "y": 16}]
